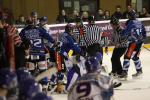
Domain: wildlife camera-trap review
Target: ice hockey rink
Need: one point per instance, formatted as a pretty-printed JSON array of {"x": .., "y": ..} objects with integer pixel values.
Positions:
[{"x": 132, "y": 89}]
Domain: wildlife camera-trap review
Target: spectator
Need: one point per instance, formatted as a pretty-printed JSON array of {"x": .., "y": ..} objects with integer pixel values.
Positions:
[
  {"x": 144, "y": 13},
  {"x": 34, "y": 17},
  {"x": 107, "y": 15},
  {"x": 126, "y": 13},
  {"x": 62, "y": 17},
  {"x": 1, "y": 13},
  {"x": 3, "y": 59},
  {"x": 21, "y": 20},
  {"x": 100, "y": 15},
  {"x": 7, "y": 16},
  {"x": 74, "y": 16},
  {"x": 117, "y": 14},
  {"x": 85, "y": 16}
]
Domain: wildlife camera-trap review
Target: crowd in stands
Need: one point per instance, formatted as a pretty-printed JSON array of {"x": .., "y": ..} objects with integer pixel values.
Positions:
[
  {"x": 102, "y": 14},
  {"x": 65, "y": 17}
]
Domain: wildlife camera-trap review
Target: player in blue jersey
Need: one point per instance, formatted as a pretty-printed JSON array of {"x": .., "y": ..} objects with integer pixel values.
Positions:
[
  {"x": 74, "y": 70},
  {"x": 68, "y": 42},
  {"x": 136, "y": 34},
  {"x": 36, "y": 35}
]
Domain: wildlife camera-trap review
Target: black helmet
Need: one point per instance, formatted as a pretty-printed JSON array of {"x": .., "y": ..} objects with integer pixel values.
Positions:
[
  {"x": 68, "y": 28},
  {"x": 114, "y": 20},
  {"x": 132, "y": 14},
  {"x": 43, "y": 19}
]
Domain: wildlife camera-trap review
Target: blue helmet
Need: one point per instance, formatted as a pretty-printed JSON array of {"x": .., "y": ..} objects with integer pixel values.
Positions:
[
  {"x": 43, "y": 19},
  {"x": 44, "y": 81},
  {"x": 132, "y": 14},
  {"x": 29, "y": 88},
  {"x": 8, "y": 79},
  {"x": 23, "y": 75},
  {"x": 92, "y": 64},
  {"x": 99, "y": 56}
]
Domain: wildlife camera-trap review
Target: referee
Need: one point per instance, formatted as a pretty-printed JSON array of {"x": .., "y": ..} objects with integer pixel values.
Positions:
[
  {"x": 93, "y": 37},
  {"x": 120, "y": 44}
]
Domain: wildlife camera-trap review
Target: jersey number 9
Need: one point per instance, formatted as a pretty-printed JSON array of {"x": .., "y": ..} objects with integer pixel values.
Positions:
[{"x": 84, "y": 89}]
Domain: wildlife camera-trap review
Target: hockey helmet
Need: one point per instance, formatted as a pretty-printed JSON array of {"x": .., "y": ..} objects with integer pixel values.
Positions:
[
  {"x": 43, "y": 19},
  {"x": 44, "y": 81},
  {"x": 69, "y": 28},
  {"x": 132, "y": 14},
  {"x": 99, "y": 56},
  {"x": 92, "y": 64}
]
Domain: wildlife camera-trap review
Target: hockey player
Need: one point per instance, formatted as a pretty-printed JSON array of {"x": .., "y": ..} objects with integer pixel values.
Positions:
[
  {"x": 93, "y": 85},
  {"x": 69, "y": 44},
  {"x": 136, "y": 34},
  {"x": 56, "y": 80},
  {"x": 43, "y": 22},
  {"x": 37, "y": 49}
]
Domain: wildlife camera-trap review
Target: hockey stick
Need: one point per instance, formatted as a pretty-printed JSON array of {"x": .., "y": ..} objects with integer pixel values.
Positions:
[{"x": 46, "y": 73}]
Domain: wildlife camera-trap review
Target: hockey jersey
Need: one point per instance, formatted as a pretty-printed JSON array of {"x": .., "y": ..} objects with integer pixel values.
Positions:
[
  {"x": 92, "y": 86},
  {"x": 36, "y": 36},
  {"x": 68, "y": 43},
  {"x": 135, "y": 31}
]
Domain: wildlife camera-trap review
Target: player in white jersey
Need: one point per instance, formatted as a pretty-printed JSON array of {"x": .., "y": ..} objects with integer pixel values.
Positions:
[{"x": 93, "y": 85}]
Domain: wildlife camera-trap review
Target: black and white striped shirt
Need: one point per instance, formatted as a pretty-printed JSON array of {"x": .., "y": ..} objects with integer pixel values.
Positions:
[
  {"x": 93, "y": 34},
  {"x": 79, "y": 35},
  {"x": 118, "y": 40}
]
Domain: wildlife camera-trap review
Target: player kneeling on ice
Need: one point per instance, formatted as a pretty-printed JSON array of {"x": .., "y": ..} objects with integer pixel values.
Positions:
[
  {"x": 93, "y": 85},
  {"x": 57, "y": 83}
]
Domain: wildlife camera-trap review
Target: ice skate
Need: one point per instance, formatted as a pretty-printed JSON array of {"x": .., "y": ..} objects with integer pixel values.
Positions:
[
  {"x": 113, "y": 75},
  {"x": 123, "y": 76},
  {"x": 137, "y": 75}
]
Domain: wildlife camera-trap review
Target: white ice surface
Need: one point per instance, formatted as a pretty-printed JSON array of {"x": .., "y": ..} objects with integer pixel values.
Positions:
[{"x": 131, "y": 89}]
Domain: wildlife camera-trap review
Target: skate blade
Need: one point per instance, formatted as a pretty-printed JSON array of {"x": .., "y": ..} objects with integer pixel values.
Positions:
[
  {"x": 123, "y": 79},
  {"x": 137, "y": 77}
]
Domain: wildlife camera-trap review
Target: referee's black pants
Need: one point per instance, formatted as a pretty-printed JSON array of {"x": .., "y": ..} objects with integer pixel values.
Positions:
[{"x": 115, "y": 60}]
